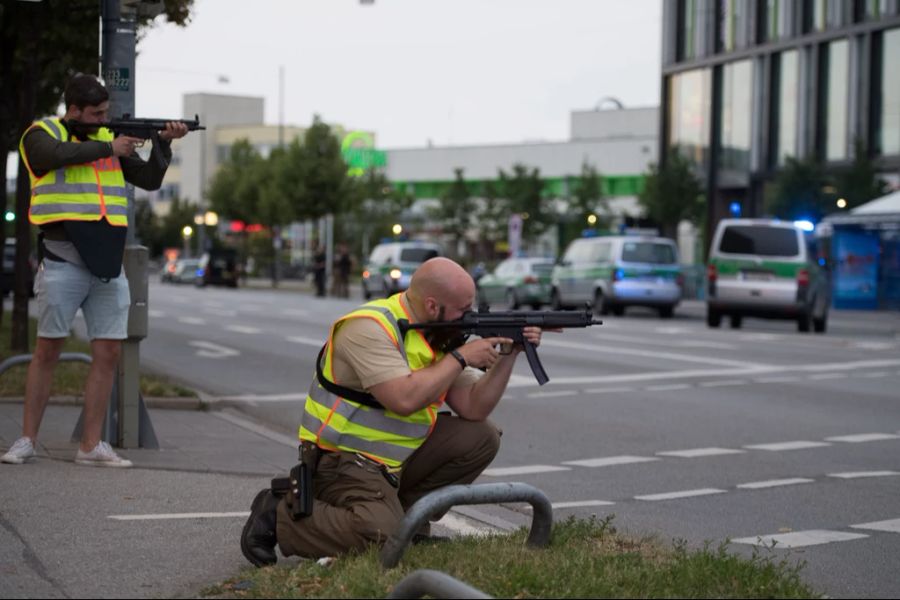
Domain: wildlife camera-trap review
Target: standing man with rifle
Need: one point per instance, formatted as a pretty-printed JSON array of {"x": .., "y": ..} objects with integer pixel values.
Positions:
[
  {"x": 78, "y": 171},
  {"x": 372, "y": 438}
]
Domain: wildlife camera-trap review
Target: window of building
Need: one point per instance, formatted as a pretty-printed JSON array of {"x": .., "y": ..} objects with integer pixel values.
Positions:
[
  {"x": 819, "y": 14},
  {"x": 687, "y": 19},
  {"x": 689, "y": 113},
  {"x": 772, "y": 19},
  {"x": 834, "y": 101},
  {"x": 888, "y": 134},
  {"x": 737, "y": 108},
  {"x": 729, "y": 15},
  {"x": 788, "y": 82}
]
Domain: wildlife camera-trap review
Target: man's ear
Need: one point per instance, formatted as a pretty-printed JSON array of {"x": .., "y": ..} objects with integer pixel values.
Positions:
[{"x": 432, "y": 307}]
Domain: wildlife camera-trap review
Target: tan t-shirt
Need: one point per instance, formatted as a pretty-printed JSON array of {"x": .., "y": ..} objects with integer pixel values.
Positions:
[{"x": 364, "y": 355}]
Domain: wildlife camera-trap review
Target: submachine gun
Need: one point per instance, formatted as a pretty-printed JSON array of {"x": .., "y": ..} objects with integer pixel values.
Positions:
[
  {"x": 145, "y": 129},
  {"x": 509, "y": 324}
]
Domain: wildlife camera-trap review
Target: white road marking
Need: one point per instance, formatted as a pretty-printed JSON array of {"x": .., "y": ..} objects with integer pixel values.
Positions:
[
  {"x": 677, "y": 495},
  {"x": 891, "y": 525},
  {"x": 211, "y": 350},
  {"x": 698, "y": 452},
  {"x": 610, "y": 461},
  {"x": 156, "y": 313},
  {"x": 552, "y": 394},
  {"x": 668, "y": 387},
  {"x": 725, "y": 383},
  {"x": 295, "y": 312},
  {"x": 782, "y": 379},
  {"x": 461, "y": 526},
  {"x": 863, "y": 437},
  {"x": 750, "y": 370},
  {"x": 828, "y": 376},
  {"x": 526, "y": 470},
  {"x": 192, "y": 320},
  {"x": 873, "y": 345},
  {"x": 318, "y": 342},
  {"x": 666, "y": 342},
  {"x": 781, "y": 446},
  {"x": 760, "y": 337},
  {"x": 242, "y": 329},
  {"x": 876, "y": 375},
  {"x": 799, "y": 539},
  {"x": 612, "y": 390},
  {"x": 291, "y": 397},
  {"x": 858, "y": 474},
  {"x": 166, "y": 516},
  {"x": 599, "y": 347},
  {"x": 759, "y": 485},
  {"x": 221, "y": 312},
  {"x": 583, "y": 503}
]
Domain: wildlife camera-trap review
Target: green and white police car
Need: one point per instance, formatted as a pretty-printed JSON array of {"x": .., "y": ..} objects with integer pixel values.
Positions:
[
  {"x": 769, "y": 269},
  {"x": 613, "y": 272}
]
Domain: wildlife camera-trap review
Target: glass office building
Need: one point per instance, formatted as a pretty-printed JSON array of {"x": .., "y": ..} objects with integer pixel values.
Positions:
[{"x": 748, "y": 83}]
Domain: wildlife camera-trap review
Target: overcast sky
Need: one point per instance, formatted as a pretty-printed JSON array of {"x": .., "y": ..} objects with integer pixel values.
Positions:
[{"x": 450, "y": 71}]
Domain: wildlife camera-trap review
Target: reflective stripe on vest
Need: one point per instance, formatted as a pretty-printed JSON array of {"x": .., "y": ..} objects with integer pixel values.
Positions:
[
  {"x": 84, "y": 192},
  {"x": 334, "y": 422}
]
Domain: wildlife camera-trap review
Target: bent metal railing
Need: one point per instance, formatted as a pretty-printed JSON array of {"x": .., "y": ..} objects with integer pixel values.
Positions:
[{"x": 443, "y": 499}]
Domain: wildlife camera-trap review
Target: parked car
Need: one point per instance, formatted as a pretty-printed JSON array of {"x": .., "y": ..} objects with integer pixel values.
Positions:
[
  {"x": 8, "y": 276},
  {"x": 517, "y": 281},
  {"x": 168, "y": 269},
  {"x": 614, "y": 272},
  {"x": 769, "y": 269},
  {"x": 184, "y": 271},
  {"x": 218, "y": 267},
  {"x": 391, "y": 265}
]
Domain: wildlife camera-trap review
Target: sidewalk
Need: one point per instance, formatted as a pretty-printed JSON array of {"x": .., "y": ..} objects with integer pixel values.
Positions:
[
  {"x": 168, "y": 527},
  {"x": 57, "y": 537}
]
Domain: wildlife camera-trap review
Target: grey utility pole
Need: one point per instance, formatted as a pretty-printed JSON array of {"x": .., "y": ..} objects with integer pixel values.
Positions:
[{"x": 133, "y": 428}]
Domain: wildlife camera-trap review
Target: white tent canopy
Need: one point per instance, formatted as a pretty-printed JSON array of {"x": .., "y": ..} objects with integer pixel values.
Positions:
[
  {"x": 884, "y": 211},
  {"x": 885, "y": 205}
]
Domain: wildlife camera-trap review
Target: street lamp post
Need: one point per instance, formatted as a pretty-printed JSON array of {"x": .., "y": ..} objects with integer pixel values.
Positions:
[{"x": 186, "y": 234}]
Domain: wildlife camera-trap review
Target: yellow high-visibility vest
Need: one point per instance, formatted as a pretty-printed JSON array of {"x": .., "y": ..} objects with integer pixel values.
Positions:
[
  {"x": 84, "y": 192},
  {"x": 337, "y": 423}
]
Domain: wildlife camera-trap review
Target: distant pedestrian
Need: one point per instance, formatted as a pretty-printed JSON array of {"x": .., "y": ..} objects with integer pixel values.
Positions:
[
  {"x": 343, "y": 264},
  {"x": 320, "y": 260}
]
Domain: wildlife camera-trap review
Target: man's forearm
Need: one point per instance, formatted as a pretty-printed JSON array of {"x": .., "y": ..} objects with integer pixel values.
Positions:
[
  {"x": 406, "y": 395},
  {"x": 45, "y": 153},
  {"x": 487, "y": 391}
]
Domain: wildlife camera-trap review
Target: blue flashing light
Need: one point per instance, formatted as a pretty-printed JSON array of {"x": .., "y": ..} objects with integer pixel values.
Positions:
[
  {"x": 822, "y": 262},
  {"x": 620, "y": 274},
  {"x": 735, "y": 209},
  {"x": 805, "y": 225}
]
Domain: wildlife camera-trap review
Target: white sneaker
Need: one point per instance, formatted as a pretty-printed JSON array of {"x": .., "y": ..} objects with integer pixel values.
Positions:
[
  {"x": 101, "y": 456},
  {"x": 19, "y": 452}
]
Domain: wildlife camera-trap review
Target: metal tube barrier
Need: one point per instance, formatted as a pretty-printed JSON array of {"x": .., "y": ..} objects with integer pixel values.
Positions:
[
  {"x": 20, "y": 359},
  {"x": 443, "y": 499},
  {"x": 436, "y": 584}
]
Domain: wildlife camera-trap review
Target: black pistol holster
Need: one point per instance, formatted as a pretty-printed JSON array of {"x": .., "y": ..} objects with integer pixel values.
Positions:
[{"x": 298, "y": 487}]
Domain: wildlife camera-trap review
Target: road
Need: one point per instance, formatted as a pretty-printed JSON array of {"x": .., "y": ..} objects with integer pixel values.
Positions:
[{"x": 676, "y": 429}]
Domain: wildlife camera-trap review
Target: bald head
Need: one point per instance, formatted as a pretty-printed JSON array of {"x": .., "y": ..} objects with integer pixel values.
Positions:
[{"x": 441, "y": 283}]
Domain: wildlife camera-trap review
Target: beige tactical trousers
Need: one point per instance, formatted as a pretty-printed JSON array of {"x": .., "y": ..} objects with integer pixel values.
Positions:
[{"x": 354, "y": 504}]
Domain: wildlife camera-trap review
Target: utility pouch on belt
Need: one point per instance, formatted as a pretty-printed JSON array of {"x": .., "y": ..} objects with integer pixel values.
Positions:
[{"x": 299, "y": 485}]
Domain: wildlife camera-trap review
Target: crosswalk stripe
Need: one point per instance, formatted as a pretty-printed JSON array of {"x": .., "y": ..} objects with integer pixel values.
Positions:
[{"x": 682, "y": 494}]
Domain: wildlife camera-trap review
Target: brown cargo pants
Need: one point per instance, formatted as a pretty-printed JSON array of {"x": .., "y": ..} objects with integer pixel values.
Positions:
[{"x": 354, "y": 505}]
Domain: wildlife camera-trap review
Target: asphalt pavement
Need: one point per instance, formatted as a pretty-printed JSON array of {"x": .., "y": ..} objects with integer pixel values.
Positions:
[{"x": 679, "y": 430}]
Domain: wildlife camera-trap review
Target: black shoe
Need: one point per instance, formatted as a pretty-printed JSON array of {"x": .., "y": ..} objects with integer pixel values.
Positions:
[{"x": 258, "y": 537}]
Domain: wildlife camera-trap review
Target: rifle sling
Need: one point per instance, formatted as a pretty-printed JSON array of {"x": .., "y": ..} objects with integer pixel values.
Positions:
[{"x": 363, "y": 398}]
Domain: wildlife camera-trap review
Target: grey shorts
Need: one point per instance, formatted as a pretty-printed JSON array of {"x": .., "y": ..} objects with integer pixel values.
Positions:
[{"x": 61, "y": 288}]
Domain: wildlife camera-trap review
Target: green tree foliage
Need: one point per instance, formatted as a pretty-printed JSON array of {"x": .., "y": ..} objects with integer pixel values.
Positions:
[
  {"x": 457, "y": 210},
  {"x": 234, "y": 191},
  {"x": 327, "y": 186},
  {"x": 374, "y": 207},
  {"x": 800, "y": 191},
  {"x": 586, "y": 199},
  {"x": 672, "y": 194},
  {"x": 522, "y": 192},
  {"x": 859, "y": 183}
]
